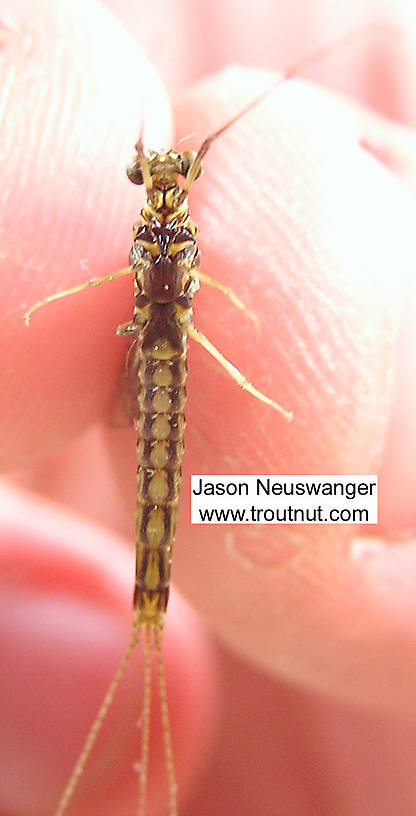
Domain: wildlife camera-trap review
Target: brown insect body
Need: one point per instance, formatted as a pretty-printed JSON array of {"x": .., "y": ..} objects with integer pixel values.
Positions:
[{"x": 164, "y": 259}]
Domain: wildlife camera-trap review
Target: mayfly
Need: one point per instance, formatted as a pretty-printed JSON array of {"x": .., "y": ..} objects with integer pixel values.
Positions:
[{"x": 165, "y": 264}]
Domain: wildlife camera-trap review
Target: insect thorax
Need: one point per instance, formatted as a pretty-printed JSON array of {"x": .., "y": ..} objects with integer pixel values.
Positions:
[{"x": 164, "y": 255}]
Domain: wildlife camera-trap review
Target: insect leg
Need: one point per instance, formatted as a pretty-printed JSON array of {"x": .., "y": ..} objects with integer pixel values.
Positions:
[
  {"x": 73, "y": 290},
  {"x": 234, "y": 373},
  {"x": 226, "y": 290},
  {"x": 127, "y": 329}
]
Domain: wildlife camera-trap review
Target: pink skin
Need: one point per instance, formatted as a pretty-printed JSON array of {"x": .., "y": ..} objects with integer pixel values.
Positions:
[{"x": 309, "y": 230}]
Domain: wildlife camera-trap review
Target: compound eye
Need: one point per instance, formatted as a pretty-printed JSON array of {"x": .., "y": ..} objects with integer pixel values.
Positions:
[
  {"x": 187, "y": 159},
  {"x": 134, "y": 171}
]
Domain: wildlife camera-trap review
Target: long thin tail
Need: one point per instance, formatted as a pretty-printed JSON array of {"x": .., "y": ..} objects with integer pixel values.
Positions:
[
  {"x": 96, "y": 726},
  {"x": 164, "y": 713},
  {"x": 145, "y": 723}
]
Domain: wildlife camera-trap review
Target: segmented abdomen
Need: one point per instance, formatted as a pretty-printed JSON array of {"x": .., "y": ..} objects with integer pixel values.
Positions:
[{"x": 161, "y": 424}]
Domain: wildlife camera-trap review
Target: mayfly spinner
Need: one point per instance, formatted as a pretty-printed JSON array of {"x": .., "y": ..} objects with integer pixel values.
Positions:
[{"x": 164, "y": 262}]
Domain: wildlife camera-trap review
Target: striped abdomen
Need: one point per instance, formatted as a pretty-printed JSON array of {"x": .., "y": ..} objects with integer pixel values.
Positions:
[{"x": 161, "y": 424}]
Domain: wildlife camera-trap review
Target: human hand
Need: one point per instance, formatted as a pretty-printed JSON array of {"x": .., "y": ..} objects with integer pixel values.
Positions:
[{"x": 327, "y": 621}]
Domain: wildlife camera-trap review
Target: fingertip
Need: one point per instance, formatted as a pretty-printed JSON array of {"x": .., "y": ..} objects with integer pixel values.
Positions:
[
  {"x": 316, "y": 236},
  {"x": 305, "y": 227},
  {"x": 77, "y": 96}
]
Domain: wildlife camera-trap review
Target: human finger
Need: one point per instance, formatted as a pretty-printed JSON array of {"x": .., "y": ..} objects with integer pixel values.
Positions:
[{"x": 72, "y": 115}]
